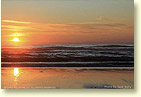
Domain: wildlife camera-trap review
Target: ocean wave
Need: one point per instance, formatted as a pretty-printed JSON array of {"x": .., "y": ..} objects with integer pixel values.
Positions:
[
  {"x": 96, "y": 62},
  {"x": 106, "y": 54}
]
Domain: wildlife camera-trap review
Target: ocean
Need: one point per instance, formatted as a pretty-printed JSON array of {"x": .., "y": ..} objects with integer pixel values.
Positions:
[
  {"x": 100, "y": 66},
  {"x": 100, "y": 55}
]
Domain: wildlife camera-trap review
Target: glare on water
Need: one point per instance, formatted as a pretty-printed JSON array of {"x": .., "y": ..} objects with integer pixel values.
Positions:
[{"x": 16, "y": 73}]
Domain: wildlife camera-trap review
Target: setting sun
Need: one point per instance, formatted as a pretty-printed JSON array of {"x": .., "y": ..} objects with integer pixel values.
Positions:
[
  {"x": 16, "y": 39},
  {"x": 67, "y": 44}
]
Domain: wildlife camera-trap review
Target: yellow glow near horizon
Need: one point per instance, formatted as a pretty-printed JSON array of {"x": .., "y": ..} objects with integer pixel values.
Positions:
[{"x": 16, "y": 39}]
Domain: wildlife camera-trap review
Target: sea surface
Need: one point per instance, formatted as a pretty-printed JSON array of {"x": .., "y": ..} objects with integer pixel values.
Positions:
[
  {"x": 101, "y": 55},
  {"x": 100, "y": 66}
]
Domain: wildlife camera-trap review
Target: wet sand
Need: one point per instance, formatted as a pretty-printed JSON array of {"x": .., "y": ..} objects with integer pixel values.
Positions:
[{"x": 61, "y": 77}]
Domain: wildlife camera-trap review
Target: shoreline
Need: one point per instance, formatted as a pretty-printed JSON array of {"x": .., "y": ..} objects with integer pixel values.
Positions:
[
  {"x": 67, "y": 64},
  {"x": 67, "y": 78},
  {"x": 44, "y": 66},
  {"x": 95, "y": 68}
]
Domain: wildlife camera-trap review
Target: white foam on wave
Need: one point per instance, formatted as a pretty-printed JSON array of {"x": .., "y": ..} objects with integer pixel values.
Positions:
[{"x": 110, "y": 62}]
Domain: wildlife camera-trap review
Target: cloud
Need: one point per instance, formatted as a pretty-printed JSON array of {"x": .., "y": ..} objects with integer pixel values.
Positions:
[
  {"x": 13, "y": 21},
  {"x": 83, "y": 27},
  {"x": 100, "y": 26},
  {"x": 110, "y": 19}
]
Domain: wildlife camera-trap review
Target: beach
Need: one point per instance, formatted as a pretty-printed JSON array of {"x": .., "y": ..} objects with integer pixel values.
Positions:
[
  {"x": 90, "y": 55},
  {"x": 72, "y": 78},
  {"x": 101, "y": 66},
  {"x": 67, "y": 44}
]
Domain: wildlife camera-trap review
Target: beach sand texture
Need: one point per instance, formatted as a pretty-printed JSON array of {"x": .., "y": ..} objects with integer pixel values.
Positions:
[{"x": 59, "y": 77}]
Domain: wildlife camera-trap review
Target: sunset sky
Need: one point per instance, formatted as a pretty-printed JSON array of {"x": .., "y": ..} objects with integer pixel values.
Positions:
[{"x": 36, "y": 22}]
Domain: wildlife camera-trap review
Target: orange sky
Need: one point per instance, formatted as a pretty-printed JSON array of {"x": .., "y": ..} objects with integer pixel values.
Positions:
[{"x": 36, "y": 23}]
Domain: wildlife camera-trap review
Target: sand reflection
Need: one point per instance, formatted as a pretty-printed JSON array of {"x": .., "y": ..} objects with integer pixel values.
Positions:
[
  {"x": 60, "y": 77},
  {"x": 16, "y": 73}
]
